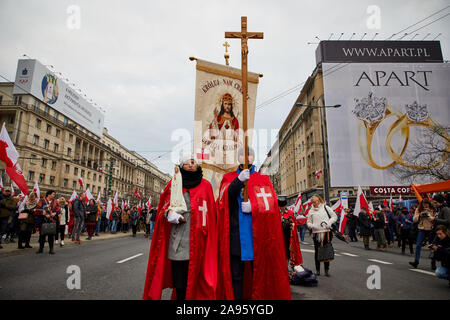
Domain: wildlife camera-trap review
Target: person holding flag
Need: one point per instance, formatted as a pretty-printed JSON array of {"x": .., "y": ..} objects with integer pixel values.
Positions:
[
  {"x": 183, "y": 254},
  {"x": 364, "y": 223},
  {"x": 252, "y": 262}
]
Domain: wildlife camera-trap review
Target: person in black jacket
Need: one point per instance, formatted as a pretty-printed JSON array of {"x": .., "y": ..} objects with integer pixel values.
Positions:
[
  {"x": 379, "y": 222},
  {"x": 152, "y": 222},
  {"x": 441, "y": 248},
  {"x": 364, "y": 222},
  {"x": 91, "y": 218},
  {"x": 352, "y": 221},
  {"x": 26, "y": 224},
  {"x": 79, "y": 210}
]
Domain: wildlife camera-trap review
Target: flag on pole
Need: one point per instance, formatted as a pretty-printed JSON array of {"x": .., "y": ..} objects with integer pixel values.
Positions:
[
  {"x": 10, "y": 156},
  {"x": 80, "y": 181},
  {"x": 361, "y": 202},
  {"x": 109, "y": 209},
  {"x": 391, "y": 203},
  {"x": 306, "y": 206},
  {"x": 37, "y": 190},
  {"x": 318, "y": 173},
  {"x": 298, "y": 203},
  {"x": 88, "y": 196},
  {"x": 99, "y": 199},
  {"x": 73, "y": 196},
  {"x": 337, "y": 207},
  {"x": 149, "y": 203}
]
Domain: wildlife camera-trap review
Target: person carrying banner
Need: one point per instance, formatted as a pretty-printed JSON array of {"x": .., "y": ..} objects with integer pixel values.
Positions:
[
  {"x": 252, "y": 262},
  {"x": 183, "y": 252}
]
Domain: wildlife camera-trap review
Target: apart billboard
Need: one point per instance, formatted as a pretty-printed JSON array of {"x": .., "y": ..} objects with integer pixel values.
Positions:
[
  {"x": 389, "y": 111},
  {"x": 34, "y": 78}
]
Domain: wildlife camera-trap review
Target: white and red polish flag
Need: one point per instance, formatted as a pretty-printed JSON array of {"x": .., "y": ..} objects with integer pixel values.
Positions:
[
  {"x": 73, "y": 196},
  {"x": 10, "y": 156},
  {"x": 318, "y": 173},
  {"x": 203, "y": 154},
  {"x": 339, "y": 209},
  {"x": 88, "y": 195},
  {"x": 1, "y": 184},
  {"x": 80, "y": 181},
  {"x": 298, "y": 203},
  {"x": 149, "y": 203},
  {"x": 306, "y": 206},
  {"x": 136, "y": 193},
  {"x": 109, "y": 209},
  {"x": 391, "y": 203},
  {"x": 361, "y": 202},
  {"x": 139, "y": 208},
  {"x": 371, "y": 209},
  {"x": 99, "y": 199},
  {"x": 37, "y": 190}
]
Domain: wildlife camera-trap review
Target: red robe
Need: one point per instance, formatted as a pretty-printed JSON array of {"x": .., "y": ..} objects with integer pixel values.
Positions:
[
  {"x": 202, "y": 276},
  {"x": 270, "y": 279},
  {"x": 296, "y": 254}
]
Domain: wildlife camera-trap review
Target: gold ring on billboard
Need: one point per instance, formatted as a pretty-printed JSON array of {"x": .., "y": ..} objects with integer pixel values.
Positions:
[
  {"x": 416, "y": 115},
  {"x": 372, "y": 111}
]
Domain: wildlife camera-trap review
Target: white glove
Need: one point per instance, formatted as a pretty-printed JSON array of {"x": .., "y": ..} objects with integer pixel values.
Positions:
[
  {"x": 173, "y": 217},
  {"x": 246, "y": 207},
  {"x": 244, "y": 175}
]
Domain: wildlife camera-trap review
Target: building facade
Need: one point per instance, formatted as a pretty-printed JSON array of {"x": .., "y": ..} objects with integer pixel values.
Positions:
[{"x": 54, "y": 151}]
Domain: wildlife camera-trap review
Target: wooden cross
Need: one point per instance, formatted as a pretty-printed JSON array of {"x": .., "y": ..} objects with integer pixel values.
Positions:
[
  {"x": 244, "y": 36},
  {"x": 226, "y": 55}
]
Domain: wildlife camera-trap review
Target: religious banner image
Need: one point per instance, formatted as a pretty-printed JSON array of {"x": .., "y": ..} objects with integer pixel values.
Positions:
[{"x": 218, "y": 129}]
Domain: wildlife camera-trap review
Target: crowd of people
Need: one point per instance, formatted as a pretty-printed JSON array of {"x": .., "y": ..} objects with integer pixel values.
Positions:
[
  {"x": 424, "y": 224},
  {"x": 55, "y": 218}
]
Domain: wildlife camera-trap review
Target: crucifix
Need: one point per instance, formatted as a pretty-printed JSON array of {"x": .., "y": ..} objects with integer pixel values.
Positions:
[
  {"x": 244, "y": 36},
  {"x": 226, "y": 55}
]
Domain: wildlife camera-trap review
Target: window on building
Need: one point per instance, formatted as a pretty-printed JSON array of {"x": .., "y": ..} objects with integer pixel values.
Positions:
[
  {"x": 75, "y": 171},
  {"x": 94, "y": 177},
  {"x": 52, "y": 180},
  {"x": 82, "y": 173},
  {"x": 44, "y": 163},
  {"x": 55, "y": 147},
  {"x": 70, "y": 137},
  {"x": 36, "y": 104},
  {"x": 17, "y": 100},
  {"x": 35, "y": 140},
  {"x": 88, "y": 186},
  {"x": 47, "y": 110},
  {"x": 38, "y": 123},
  {"x": 66, "y": 182},
  {"x": 30, "y": 176},
  {"x": 55, "y": 115},
  {"x": 74, "y": 185},
  {"x": 67, "y": 168},
  {"x": 41, "y": 178},
  {"x": 46, "y": 143},
  {"x": 89, "y": 175},
  {"x": 58, "y": 133},
  {"x": 53, "y": 165},
  {"x": 66, "y": 121},
  {"x": 33, "y": 157},
  {"x": 69, "y": 152},
  {"x": 49, "y": 129}
]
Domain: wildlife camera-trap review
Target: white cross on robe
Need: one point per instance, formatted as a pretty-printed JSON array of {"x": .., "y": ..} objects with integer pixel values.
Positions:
[
  {"x": 204, "y": 210},
  {"x": 265, "y": 196}
]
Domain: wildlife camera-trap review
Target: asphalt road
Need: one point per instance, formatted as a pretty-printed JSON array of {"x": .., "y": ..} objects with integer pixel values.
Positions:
[{"x": 115, "y": 269}]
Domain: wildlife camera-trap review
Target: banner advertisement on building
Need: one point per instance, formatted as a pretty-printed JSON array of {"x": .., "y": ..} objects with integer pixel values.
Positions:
[
  {"x": 34, "y": 78},
  {"x": 394, "y": 117},
  {"x": 218, "y": 130}
]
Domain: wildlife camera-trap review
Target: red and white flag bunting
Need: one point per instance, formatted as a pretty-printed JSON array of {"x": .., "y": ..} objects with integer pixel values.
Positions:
[
  {"x": 298, "y": 203},
  {"x": 73, "y": 196}
]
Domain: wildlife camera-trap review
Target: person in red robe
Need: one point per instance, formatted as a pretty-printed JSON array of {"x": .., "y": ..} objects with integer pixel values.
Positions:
[
  {"x": 252, "y": 262},
  {"x": 291, "y": 241},
  {"x": 183, "y": 251}
]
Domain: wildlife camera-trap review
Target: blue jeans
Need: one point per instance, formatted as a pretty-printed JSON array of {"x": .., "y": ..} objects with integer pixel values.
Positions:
[
  {"x": 442, "y": 273},
  {"x": 421, "y": 235},
  {"x": 97, "y": 226},
  {"x": 152, "y": 227},
  {"x": 302, "y": 230},
  {"x": 114, "y": 226}
]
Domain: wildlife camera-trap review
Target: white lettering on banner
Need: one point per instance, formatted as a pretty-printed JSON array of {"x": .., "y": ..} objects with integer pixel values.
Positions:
[
  {"x": 204, "y": 210},
  {"x": 265, "y": 196}
]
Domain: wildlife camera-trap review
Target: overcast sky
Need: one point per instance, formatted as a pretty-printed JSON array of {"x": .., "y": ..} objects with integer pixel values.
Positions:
[{"x": 131, "y": 57}]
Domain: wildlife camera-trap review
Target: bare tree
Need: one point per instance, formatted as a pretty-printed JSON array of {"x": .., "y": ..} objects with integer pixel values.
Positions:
[{"x": 425, "y": 153}]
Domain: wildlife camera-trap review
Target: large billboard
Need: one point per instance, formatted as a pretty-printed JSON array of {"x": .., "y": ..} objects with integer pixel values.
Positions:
[
  {"x": 34, "y": 78},
  {"x": 390, "y": 112}
]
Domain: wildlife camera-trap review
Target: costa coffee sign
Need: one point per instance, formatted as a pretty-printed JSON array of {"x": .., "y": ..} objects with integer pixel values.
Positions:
[{"x": 386, "y": 191}]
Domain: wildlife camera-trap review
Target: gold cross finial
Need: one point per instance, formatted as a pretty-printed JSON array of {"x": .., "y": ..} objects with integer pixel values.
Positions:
[{"x": 226, "y": 55}]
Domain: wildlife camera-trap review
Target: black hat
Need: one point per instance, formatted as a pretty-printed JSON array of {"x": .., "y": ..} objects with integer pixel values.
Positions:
[
  {"x": 439, "y": 198},
  {"x": 282, "y": 202}
]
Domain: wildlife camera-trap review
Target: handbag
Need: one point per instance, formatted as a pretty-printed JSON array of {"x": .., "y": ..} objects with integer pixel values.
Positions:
[
  {"x": 22, "y": 216},
  {"x": 48, "y": 228},
  {"x": 325, "y": 252}
]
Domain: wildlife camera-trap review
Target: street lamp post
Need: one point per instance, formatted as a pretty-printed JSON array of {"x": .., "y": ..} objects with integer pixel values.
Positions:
[{"x": 325, "y": 162}]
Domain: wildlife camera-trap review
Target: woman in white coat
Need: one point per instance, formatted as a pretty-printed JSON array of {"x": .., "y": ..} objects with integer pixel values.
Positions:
[{"x": 320, "y": 219}]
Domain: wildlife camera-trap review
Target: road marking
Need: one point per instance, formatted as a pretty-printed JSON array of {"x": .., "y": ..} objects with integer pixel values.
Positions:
[
  {"x": 379, "y": 261},
  {"x": 127, "y": 259},
  {"x": 349, "y": 254},
  {"x": 305, "y": 242},
  {"x": 423, "y": 271},
  {"x": 337, "y": 255},
  {"x": 307, "y": 250}
]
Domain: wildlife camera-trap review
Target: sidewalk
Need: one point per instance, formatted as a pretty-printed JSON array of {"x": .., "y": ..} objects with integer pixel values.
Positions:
[{"x": 10, "y": 249}]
